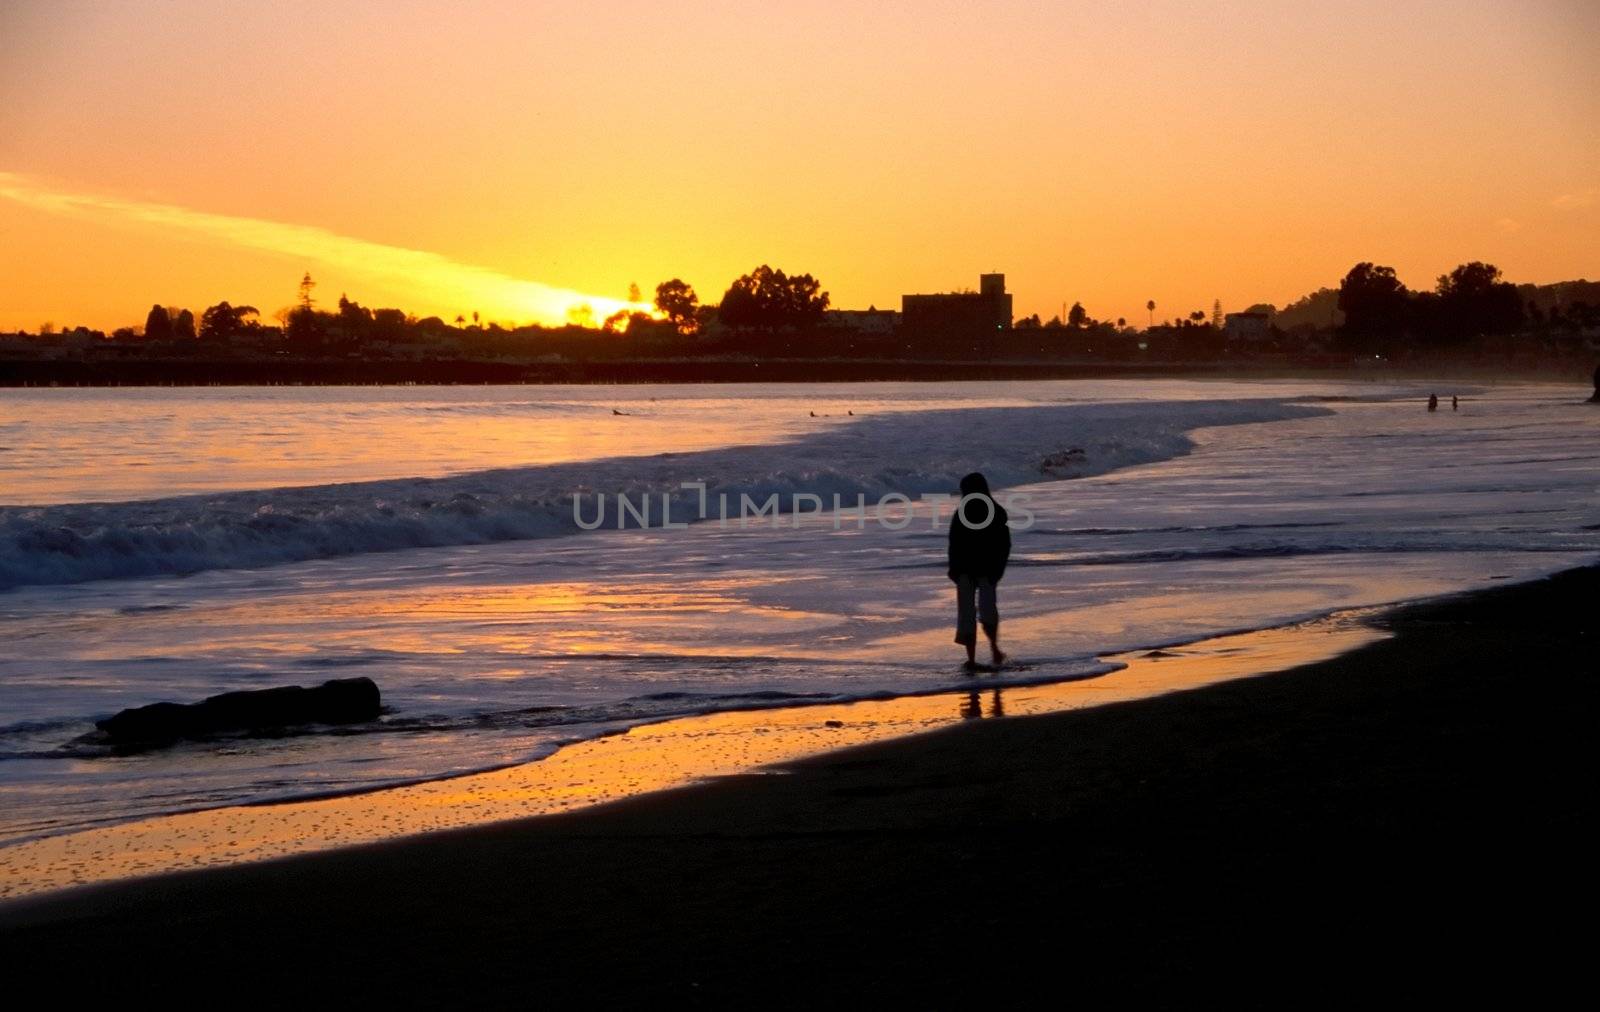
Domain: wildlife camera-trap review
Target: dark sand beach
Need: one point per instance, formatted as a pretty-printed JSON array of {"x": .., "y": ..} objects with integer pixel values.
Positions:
[{"x": 1400, "y": 824}]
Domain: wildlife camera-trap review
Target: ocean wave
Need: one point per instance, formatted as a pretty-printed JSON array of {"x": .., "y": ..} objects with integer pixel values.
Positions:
[
  {"x": 1287, "y": 549},
  {"x": 1188, "y": 529},
  {"x": 911, "y": 453}
]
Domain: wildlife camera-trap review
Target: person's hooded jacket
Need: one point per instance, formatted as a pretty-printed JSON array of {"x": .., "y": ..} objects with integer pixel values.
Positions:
[{"x": 979, "y": 551}]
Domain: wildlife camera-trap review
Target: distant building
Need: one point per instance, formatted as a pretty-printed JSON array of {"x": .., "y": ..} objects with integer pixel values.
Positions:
[
  {"x": 1247, "y": 326},
  {"x": 959, "y": 316},
  {"x": 871, "y": 320}
]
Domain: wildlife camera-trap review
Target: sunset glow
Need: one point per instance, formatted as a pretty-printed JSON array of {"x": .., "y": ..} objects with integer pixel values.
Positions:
[
  {"x": 724, "y": 504},
  {"x": 516, "y": 160},
  {"x": 431, "y": 279}
]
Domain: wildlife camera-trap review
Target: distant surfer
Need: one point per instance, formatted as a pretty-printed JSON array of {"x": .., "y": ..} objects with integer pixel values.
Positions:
[
  {"x": 980, "y": 547},
  {"x": 1433, "y": 402}
]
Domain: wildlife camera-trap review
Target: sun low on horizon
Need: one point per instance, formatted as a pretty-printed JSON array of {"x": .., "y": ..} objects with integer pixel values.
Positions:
[
  {"x": 722, "y": 504},
  {"x": 533, "y": 163}
]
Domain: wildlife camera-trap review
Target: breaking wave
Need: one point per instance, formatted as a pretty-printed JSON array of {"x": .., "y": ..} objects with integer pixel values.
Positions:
[{"x": 911, "y": 453}]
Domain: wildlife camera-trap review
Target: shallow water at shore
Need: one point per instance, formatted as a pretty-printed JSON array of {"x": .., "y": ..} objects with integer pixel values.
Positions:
[
  {"x": 1193, "y": 516},
  {"x": 652, "y": 757}
]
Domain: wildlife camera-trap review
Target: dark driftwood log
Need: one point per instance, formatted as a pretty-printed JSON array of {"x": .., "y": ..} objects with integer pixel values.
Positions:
[{"x": 339, "y": 701}]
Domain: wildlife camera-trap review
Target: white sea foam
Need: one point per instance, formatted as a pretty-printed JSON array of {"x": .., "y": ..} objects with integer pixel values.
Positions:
[
  {"x": 491, "y": 654},
  {"x": 913, "y": 454}
]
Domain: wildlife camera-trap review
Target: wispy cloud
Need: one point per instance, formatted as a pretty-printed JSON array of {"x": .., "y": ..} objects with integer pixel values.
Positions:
[
  {"x": 1573, "y": 201},
  {"x": 434, "y": 278},
  {"x": 1508, "y": 225}
]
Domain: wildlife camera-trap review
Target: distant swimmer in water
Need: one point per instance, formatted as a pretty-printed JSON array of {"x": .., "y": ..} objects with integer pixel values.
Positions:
[
  {"x": 980, "y": 547},
  {"x": 813, "y": 414},
  {"x": 1433, "y": 402}
]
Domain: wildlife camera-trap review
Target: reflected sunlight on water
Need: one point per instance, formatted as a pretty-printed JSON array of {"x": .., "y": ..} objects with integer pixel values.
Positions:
[
  {"x": 494, "y": 645},
  {"x": 652, "y": 757}
]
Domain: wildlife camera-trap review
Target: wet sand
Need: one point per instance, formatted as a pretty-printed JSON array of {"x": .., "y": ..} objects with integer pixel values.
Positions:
[
  {"x": 1396, "y": 823},
  {"x": 654, "y": 757}
]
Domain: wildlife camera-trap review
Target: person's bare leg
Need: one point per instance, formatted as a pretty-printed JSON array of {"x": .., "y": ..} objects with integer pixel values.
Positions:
[
  {"x": 993, "y": 632},
  {"x": 989, "y": 618},
  {"x": 967, "y": 619}
]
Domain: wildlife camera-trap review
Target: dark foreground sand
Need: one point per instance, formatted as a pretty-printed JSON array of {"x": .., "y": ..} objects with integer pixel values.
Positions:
[{"x": 1402, "y": 825}]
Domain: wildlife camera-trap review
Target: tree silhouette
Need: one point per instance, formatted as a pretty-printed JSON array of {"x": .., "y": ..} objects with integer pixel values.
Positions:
[
  {"x": 222, "y": 321},
  {"x": 352, "y": 315},
  {"x": 1374, "y": 304},
  {"x": 158, "y": 325},
  {"x": 770, "y": 298},
  {"x": 1474, "y": 300},
  {"x": 1077, "y": 316},
  {"x": 678, "y": 303},
  {"x": 302, "y": 326},
  {"x": 183, "y": 326},
  {"x": 1150, "y": 307}
]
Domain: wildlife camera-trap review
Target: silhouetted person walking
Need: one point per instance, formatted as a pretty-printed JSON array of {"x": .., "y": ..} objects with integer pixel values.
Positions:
[
  {"x": 1455, "y": 403},
  {"x": 980, "y": 547},
  {"x": 1433, "y": 402},
  {"x": 1596, "y": 398}
]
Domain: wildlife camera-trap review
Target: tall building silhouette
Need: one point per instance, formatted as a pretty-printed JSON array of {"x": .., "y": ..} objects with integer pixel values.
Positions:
[{"x": 958, "y": 316}]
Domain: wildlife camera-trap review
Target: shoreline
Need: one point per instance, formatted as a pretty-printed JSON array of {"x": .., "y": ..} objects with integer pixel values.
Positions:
[
  {"x": 1396, "y": 816},
  {"x": 659, "y": 756},
  {"x": 111, "y": 373}
]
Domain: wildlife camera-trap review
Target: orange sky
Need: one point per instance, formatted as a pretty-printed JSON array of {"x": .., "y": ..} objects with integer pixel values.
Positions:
[{"x": 451, "y": 157}]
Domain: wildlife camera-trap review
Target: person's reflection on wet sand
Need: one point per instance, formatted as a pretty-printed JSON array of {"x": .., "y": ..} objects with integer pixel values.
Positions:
[{"x": 972, "y": 706}]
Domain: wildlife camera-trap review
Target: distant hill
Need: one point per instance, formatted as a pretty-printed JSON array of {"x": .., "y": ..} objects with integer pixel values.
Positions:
[
  {"x": 1320, "y": 309},
  {"x": 1562, "y": 293}
]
